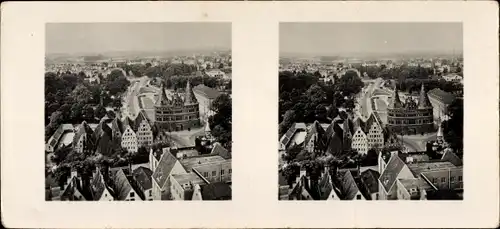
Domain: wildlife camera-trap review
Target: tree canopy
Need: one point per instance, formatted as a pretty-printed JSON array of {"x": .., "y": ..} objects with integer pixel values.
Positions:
[
  {"x": 454, "y": 128},
  {"x": 221, "y": 122}
]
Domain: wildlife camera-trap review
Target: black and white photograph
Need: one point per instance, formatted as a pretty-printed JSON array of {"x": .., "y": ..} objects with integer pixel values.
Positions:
[
  {"x": 138, "y": 111},
  {"x": 371, "y": 111}
]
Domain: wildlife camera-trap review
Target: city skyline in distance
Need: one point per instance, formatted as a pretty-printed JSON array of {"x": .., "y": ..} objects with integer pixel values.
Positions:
[
  {"x": 381, "y": 39},
  {"x": 111, "y": 39}
]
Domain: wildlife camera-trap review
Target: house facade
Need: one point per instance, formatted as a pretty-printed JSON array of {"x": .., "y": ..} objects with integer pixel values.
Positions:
[
  {"x": 144, "y": 132},
  {"x": 360, "y": 141},
  {"x": 129, "y": 137},
  {"x": 410, "y": 118},
  {"x": 177, "y": 114}
]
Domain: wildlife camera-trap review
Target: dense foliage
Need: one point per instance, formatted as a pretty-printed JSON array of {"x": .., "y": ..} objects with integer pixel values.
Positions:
[
  {"x": 221, "y": 122},
  {"x": 453, "y": 129},
  {"x": 303, "y": 98},
  {"x": 70, "y": 99}
]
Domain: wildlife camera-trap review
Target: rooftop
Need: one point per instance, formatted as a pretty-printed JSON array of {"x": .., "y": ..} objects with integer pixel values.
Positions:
[
  {"x": 393, "y": 168},
  {"x": 419, "y": 168},
  {"x": 190, "y": 163},
  {"x": 189, "y": 177}
]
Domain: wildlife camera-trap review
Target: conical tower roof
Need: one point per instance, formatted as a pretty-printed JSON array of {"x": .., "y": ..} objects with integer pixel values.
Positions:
[
  {"x": 423, "y": 100},
  {"x": 396, "y": 101},
  {"x": 163, "y": 99},
  {"x": 189, "y": 97}
]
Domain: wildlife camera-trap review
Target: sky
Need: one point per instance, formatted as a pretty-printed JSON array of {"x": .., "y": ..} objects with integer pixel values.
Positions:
[
  {"x": 71, "y": 38},
  {"x": 372, "y": 38}
]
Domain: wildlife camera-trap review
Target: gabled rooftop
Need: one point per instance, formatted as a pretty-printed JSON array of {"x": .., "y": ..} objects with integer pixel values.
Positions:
[
  {"x": 391, "y": 172},
  {"x": 164, "y": 168}
]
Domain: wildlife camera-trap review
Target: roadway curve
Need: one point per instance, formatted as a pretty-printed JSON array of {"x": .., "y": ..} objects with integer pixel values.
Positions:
[{"x": 131, "y": 103}]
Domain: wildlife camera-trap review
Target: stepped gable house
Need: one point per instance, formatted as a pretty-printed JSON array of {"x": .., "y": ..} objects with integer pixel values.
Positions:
[
  {"x": 410, "y": 117},
  {"x": 178, "y": 113}
]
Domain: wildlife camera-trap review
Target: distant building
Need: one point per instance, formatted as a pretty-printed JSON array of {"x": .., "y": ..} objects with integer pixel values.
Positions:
[
  {"x": 403, "y": 179},
  {"x": 410, "y": 117},
  {"x": 129, "y": 137},
  {"x": 125, "y": 187},
  {"x": 99, "y": 188},
  {"x": 62, "y": 137},
  {"x": 440, "y": 101},
  {"x": 184, "y": 178},
  {"x": 367, "y": 134},
  {"x": 143, "y": 129},
  {"x": 177, "y": 114},
  {"x": 142, "y": 176},
  {"x": 216, "y": 73},
  {"x": 83, "y": 141},
  {"x": 453, "y": 78}
]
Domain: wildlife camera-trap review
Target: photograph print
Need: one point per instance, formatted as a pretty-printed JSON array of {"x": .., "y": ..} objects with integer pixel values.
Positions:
[
  {"x": 138, "y": 111},
  {"x": 370, "y": 111}
]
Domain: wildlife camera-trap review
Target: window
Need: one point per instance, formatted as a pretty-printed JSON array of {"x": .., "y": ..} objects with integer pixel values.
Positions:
[
  {"x": 214, "y": 173},
  {"x": 222, "y": 172},
  {"x": 358, "y": 197},
  {"x": 132, "y": 194},
  {"x": 452, "y": 179},
  {"x": 434, "y": 180},
  {"x": 205, "y": 174},
  {"x": 459, "y": 178},
  {"x": 230, "y": 171},
  {"x": 150, "y": 193},
  {"x": 443, "y": 179},
  {"x": 131, "y": 199}
]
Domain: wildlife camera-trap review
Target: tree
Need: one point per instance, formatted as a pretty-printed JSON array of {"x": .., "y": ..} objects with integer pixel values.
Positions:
[
  {"x": 117, "y": 103},
  {"x": 288, "y": 119},
  {"x": 61, "y": 174},
  {"x": 371, "y": 158},
  {"x": 292, "y": 152},
  {"x": 100, "y": 111},
  {"x": 159, "y": 146},
  {"x": 56, "y": 119},
  {"x": 115, "y": 74},
  {"x": 81, "y": 94},
  {"x": 110, "y": 114},
  {"x": 88, "y": 112},
  {"x": 349, "y": 84},
  {"x": 61, "y": 153},
  {"x": 76, "y": 111},
  {"x": 290, "y": 172},
  {"x": 453, "y": 127}
]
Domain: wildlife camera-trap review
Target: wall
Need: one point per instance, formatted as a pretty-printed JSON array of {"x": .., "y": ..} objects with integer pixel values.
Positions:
[
  {"x": 439, "y": 109},
  {"x": 132, "y": 196},
  {"x": 212, "y": 172},
  {"x": 359, "y": 142},
  {"x": 144, "y": 134},
  {"x": 129, "y": 140},
  {"x": 106, "y": 196},
  {"x": 176, "y": 190},
  {"x": 402, "y": 193},
  {"x": 375, "y": 136},
  {"x": 442, "y": 178}
]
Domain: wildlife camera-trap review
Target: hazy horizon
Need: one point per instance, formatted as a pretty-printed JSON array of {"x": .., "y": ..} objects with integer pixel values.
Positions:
[
  {"x": 330, "y": 39},
  {"x": 76, "y": 38}
]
